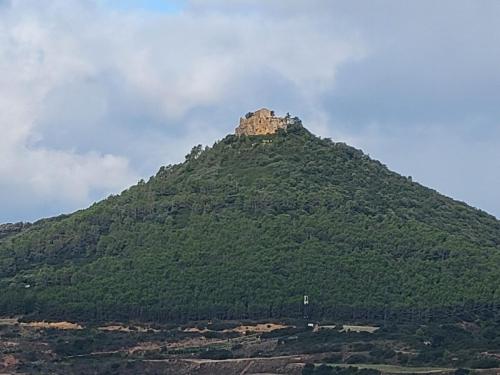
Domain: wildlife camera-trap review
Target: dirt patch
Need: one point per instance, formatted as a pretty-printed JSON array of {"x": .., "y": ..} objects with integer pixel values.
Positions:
[
  {"x": 259, "y": 328},
  {"x": 121, "y": 328},
  {"x": 196, "y": 330},
  {"x": 115, "y": 328},
  {"x": 369, "y": 329},
  {"x": 55, "y": 325}
]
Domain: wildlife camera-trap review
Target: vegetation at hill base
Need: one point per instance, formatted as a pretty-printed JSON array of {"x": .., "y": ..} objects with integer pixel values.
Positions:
[
  {"x": 223, "y": 348},
  {"x": 247, "y": 227}
]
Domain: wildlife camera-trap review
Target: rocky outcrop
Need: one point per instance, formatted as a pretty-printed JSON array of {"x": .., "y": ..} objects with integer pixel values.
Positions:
[{"x": 262, "y": 122}]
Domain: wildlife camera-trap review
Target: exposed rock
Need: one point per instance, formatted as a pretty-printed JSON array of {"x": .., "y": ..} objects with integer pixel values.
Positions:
[{"x": 263, "y": 122}]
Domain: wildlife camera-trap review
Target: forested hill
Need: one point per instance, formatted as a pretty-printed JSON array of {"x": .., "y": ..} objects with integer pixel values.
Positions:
[{"x": 245, "y": 229}]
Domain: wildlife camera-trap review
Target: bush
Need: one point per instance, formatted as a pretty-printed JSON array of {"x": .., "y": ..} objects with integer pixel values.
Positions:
[
  {"x": 357, "y": 358},
  {"x": 221, "y": 326},
  {"x": 354, "y": 371},
  {"x": 484, "y": 363},
  {"x": 382, "y": 353},
  {"x": 334, "y": 358},
  {"x": 289, "y": 331},
  {"x": 369, "y": 371},
  {"x": 213, "y": 335},
  {"x": 75, "y": 347},
  {"x": 236, "y": 347},
  {"x": 216, "y": 354},
  {"x": 362, "y": 347},
  {"x": 323, "y": 370},
  {"x": 308, "y": 369}
]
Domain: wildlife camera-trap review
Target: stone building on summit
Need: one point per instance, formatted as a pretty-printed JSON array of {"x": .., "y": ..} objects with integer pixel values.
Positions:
[{"x": 262, "y": 122}]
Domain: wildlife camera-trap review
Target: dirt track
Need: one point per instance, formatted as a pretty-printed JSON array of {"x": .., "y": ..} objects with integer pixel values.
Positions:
[{"x": 242, "y": 366}]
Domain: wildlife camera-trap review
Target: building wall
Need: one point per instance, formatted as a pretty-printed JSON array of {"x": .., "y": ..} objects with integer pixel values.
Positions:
[{"x": 261, "y": 122}]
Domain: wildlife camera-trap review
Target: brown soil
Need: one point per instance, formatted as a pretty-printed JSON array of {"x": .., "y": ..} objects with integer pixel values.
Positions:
[
  {"x": 55, "y": 325},
  {"x": 259, "y": 328}
]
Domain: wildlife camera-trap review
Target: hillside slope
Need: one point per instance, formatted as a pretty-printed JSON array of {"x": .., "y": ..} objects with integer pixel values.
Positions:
[{"x": 245, "y": 229}]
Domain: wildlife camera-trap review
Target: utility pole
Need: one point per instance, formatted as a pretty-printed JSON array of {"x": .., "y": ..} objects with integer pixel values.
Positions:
[{"x": 306, "y": 307}]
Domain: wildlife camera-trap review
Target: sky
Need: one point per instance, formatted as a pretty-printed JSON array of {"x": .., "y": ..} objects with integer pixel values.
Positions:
[{"x": 97, "y": 94}]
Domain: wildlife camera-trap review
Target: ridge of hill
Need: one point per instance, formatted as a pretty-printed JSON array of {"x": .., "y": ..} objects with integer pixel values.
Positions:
[{"x": 246, "y": 228}]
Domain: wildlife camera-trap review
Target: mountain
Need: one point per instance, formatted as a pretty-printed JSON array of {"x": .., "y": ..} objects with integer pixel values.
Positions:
[{"x": 246, "y": 228}]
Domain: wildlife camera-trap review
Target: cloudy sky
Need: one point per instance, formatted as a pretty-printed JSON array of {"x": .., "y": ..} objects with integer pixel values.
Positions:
[{"x": 95, "y": 95}]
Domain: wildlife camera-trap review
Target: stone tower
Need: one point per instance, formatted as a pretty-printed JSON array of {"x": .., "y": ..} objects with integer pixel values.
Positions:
[{"x": 262, "y": 122}]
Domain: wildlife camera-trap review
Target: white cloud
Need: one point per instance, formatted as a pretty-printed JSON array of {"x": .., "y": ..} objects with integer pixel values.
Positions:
[
  {"x": 38, "y": 57},
  {"x": 92, "y": 97}
]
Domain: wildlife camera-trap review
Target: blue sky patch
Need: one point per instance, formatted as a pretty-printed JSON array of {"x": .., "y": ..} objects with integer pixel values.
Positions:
[{"x": 156, "y": 6}]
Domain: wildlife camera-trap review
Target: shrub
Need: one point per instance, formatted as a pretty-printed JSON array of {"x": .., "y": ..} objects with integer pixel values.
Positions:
[
  {"x": 362, "y": 347},
  {"x": 236, "y": 347},
  {"x": 221, "y": 326},
  {"x": 334, "y": 358},
  {"x": 323, "y": 370},
  {"x": 483, "y": 363},
  {"x": 382, "y": 353},
  {"x": 213, "y": 335},
  {"x": 357, "y": 358},
  {"x": 216, "y": 354},
  {"x": 369, "y": 371},
  {"x": 308, "y": 369}
]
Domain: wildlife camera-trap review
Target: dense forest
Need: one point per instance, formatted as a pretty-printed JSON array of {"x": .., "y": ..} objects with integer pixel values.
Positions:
[{"x": 245, "y": 229}]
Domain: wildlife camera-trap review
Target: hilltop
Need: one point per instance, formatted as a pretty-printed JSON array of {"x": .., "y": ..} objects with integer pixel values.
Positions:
[{"x": 249, "y": 226}]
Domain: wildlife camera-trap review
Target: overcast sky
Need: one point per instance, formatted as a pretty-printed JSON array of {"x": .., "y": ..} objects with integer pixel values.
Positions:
[{"x": 95, "y": 95}]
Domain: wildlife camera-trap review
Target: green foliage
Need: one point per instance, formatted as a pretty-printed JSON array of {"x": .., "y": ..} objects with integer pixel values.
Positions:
[
  {"x": 484, "y": 363},
  {"x": 216, "y": 354},
  {"x": 310, "y": 369},
  {"x": 246, "y": 228},
  {"x": 221, "y": 326}
]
